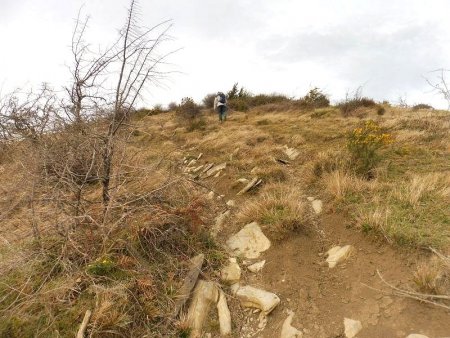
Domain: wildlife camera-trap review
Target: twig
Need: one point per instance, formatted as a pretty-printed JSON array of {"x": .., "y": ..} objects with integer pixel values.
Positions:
[{"x": 84, "y": 324}]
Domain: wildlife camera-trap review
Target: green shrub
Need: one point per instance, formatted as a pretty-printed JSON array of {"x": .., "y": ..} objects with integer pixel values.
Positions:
[
  {"x": 363, "y": 144},
  {"x": 188, "y": 109},
  {"x": 421, "y": 106},
  {"x": 315, "y": 99}
]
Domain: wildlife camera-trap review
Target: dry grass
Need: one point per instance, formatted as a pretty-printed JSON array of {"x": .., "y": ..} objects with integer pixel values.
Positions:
[
  {"x": 279, "y": 209},
  {"x": 339, "y": 184},
  {"x": 433, "y": 277}
]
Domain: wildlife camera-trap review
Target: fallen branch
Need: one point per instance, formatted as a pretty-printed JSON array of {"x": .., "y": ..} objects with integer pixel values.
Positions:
[
  {"x": 84, "y": 324},
  {"x": 414, "y": 295}
]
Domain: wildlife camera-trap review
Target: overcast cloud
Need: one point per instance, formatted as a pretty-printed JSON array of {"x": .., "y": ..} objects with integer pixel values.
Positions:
[{"x": 267, "y": 46}]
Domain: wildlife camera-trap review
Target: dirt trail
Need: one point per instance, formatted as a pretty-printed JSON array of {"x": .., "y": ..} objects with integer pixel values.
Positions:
[{"x": 322, "y": 297}]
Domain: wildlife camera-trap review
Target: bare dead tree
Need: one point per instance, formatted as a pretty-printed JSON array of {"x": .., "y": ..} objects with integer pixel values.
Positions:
[
  {"x": 440, "y": 85},
  {"x": 139, "y": 62}
]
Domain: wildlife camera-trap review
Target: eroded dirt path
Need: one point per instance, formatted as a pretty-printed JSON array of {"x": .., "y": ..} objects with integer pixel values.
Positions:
[{"x": 322, "y": 297}]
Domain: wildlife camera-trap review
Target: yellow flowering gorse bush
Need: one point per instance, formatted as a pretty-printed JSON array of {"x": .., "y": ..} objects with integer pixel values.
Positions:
[{"x": 363, "y": 143}]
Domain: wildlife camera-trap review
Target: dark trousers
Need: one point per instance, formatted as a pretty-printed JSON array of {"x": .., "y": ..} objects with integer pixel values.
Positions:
[{"x": 222, "y": 110}]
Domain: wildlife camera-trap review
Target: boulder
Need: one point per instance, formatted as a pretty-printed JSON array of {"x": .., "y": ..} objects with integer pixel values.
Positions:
[
  {"x": 351, "y": 327},
  {"x": 256, "y": 267},
  {"x": 249, "y": 242},
  {"x": 232, "y": 272},
  {"x": 257, "y": 298},
  {"x": 287, "y": 330},
  {"x": 338, "y": 254}
]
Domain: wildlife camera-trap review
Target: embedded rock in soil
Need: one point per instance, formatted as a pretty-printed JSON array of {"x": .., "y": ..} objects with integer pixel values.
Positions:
[
  {"x": 291, "y": 152},
  {"x": 317, "y": 206},
  {"x": 338, "y": 254},
  {"x": 219, "y": 221},
  {"x": 205, "y": 294},
  {"x": 287, "y": 330},
  {"x": 231, "y": 203},
  {"x": 231, "y": 273},
  {"x": 249, "y": 242},
  {"x": 257, "y": 298},
  {"x": 415, "y": 335},
  {"x": 257, "y": 266},
  {"x": 224, "y": 315},
  {"x": 215, "y": 169},
  {"x": 352, "y": 327}
]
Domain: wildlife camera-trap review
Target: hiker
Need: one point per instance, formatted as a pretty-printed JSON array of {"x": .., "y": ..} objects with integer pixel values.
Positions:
[{"x": 220, "y": 105}]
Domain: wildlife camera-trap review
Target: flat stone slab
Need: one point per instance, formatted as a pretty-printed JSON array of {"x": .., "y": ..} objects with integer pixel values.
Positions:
[
  {"x": 287, "y": 330},
  {"x": 256, "y": 267},
  {"x": 338, "y": 254},
  {"x": 249, "y": 242},
  {"x": 352, "y": 327}
]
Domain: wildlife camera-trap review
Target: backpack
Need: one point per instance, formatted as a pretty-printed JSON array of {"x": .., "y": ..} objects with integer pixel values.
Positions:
[{"x": 222, "y": 98}]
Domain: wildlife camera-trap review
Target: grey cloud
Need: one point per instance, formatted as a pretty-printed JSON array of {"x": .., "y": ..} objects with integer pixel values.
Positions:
[{"x": 388, "y": 62}]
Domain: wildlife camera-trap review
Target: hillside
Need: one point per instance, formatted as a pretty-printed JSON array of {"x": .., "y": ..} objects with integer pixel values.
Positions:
[{"x": 178, "y": 192}]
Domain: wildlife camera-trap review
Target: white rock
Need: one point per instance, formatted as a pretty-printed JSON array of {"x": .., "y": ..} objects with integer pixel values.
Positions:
[
  {"x": 257, "y": 266},
  {"x": 291, "y": 152},
  {"x": 224, "y": 315},
  {"x": 257, "y": 298},
  {"x": 205, "y": 294},
  {"x": 242, "y": 180},
  {"x": 192, "y": 162},
  {"x": 352, "y": 327},
  {"x": 210, "y": 195},
  {"x": 218, "y": 174},
  {"x": 317, "y": 206},
  {"x": 231, "y": 273},
  {"x": 199, "y": 156},
  {"x": 231, "y": 203},
  {"x": 196, "y": 170},
  {"x": 215, "y": 169},
  {"x": 338, "y": 254},
  {"x": 310, "y": 199},
  {"x": 287, "y": 330},
  {"x": 249, "y": 242},
  {"x": 416, "y": 335},
  {"x": 219, "y": 221}
]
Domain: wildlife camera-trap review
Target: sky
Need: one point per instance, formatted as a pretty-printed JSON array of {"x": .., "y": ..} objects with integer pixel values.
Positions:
[{"x": 388, "y": 47}]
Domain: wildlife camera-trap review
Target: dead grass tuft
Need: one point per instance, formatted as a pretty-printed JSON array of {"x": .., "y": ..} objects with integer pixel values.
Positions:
[{"x": 279, "y": 210}]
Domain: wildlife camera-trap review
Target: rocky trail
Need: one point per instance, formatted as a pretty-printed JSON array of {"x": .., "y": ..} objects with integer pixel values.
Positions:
[{"x": 322, "y": 282}]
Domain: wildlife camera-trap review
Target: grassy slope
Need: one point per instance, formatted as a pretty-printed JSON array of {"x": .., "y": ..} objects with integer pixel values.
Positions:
[{"x": 407, "y": 204}]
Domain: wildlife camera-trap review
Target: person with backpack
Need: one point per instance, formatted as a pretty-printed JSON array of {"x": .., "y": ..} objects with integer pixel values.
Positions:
[{"x": 220, "y": 105}]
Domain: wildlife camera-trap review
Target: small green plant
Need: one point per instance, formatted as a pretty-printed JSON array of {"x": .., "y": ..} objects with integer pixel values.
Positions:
[
  {"x": 363, "y": 144},
  {"x": 101, "y": 267}
]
